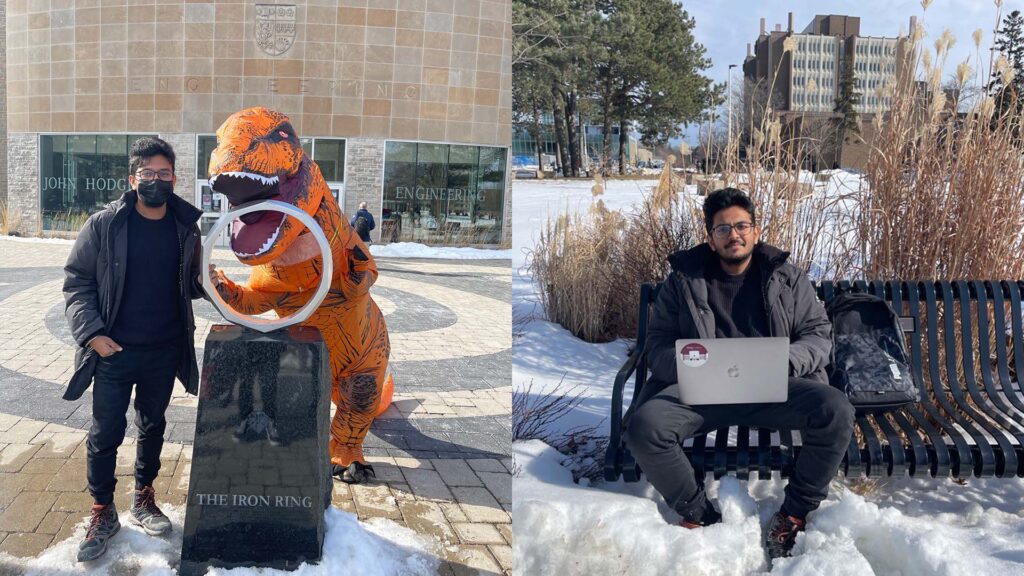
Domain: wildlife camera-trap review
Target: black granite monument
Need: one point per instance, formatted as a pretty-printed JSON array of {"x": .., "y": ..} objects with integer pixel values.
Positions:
[{"x": 260, "y": 478}]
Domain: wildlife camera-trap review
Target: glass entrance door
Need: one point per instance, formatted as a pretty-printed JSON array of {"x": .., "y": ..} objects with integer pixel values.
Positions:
[{"x": 214, "y": 205}]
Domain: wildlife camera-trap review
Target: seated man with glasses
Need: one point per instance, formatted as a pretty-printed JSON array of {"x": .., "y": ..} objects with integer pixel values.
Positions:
[
  {"x": 129, "y": 284},
  {"x": 734, "y": 286}
]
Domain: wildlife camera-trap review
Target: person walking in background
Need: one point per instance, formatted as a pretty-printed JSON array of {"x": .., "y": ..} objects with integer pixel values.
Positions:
[{"x": 363, "y": 223}]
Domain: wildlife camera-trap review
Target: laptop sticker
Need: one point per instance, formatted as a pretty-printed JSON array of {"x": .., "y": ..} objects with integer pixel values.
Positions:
[{"x": 694, "y": 355}]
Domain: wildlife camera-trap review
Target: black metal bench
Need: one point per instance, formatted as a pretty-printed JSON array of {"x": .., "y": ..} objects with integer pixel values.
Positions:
[{"x": 970, "y": 420}]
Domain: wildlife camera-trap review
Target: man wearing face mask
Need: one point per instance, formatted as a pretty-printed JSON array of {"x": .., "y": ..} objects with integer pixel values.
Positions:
[{"x": 130, "y": 280}]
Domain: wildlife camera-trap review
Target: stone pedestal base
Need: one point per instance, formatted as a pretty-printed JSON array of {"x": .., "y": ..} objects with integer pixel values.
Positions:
[{"x": 260, "y": 479}]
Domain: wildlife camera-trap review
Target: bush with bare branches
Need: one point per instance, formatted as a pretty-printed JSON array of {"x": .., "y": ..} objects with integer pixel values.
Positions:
[{"x": 534, "y": 418}]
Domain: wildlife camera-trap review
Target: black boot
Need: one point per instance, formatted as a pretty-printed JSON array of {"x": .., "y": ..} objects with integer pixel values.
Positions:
[
  {"x": 781, "y": 534},
  {"x": 707, "y": 517}
]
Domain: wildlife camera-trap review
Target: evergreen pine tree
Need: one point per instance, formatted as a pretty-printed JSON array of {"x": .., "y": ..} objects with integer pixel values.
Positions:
[
  {"x": 845, "y": 109},
  {"x": 1009, "y": 42}
]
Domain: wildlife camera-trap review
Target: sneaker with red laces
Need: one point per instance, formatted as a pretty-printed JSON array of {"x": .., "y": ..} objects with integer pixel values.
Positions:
[
  {"x": 145, "y": 512},
  {"x": 781, "y": 534},
  {"x": 708, "y": 517},
  {"x": 103, "y": 524}
]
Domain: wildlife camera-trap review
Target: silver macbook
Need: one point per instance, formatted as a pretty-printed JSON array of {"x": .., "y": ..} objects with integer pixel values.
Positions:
[{"x": 732, "y": 370}]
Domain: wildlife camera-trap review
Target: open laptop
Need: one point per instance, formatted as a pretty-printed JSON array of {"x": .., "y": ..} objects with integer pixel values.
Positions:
[{"x": 732, "y": 370}]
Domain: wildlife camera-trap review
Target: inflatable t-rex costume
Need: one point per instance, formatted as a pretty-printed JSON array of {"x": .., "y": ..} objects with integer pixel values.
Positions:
[{"x": 259, "y": 157}]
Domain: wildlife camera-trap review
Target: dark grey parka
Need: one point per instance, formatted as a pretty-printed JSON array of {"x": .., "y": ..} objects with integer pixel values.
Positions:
[
  {"x": 94, "y": 283},
  {"x": 682, "y": 311}
]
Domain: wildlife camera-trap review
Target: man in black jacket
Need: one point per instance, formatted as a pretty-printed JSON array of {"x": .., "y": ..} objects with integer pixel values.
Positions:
[
  {"x": 130, "y": 280},
  {"x": 736, "y": 287}
]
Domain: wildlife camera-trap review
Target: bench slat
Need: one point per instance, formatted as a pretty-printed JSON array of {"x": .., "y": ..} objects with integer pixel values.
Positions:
[
  {"x": 743, "y": 452},
  {"x": 965, "y": 462},
  {"x": 991, "y": 462},
  {"x": 1004, "y": 389},
  {"x": 894, "y": 455}
]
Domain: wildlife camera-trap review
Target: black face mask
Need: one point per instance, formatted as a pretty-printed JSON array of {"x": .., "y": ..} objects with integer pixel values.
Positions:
[{"x": 154, "y": 193}]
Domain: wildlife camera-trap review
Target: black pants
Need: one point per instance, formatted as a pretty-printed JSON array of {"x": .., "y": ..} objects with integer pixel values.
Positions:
[
  {"x": 151, "y": 373},
  {"x": 656, "y": 429}
]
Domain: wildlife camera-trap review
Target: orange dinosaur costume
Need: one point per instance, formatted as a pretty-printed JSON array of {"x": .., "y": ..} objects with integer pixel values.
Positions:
[{"x": 259, "y": 157}]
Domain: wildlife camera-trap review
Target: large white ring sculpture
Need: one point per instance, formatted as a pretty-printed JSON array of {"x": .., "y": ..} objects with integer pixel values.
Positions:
[{"x": 264, "y": 324}]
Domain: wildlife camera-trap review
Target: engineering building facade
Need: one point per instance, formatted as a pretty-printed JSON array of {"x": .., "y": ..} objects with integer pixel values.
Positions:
[{"x": 404, "y": 104}]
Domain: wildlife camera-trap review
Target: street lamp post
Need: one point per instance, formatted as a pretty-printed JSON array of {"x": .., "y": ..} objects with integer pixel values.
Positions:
[{"x": 728, "y": 89}]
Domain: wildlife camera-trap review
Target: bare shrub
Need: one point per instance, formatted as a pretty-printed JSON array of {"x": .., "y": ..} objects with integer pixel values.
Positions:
[
  {"x": 946, "y": 197},
  {"x": 573, "y": 263},
  {"x": 534, "y": 417},
  {"x": 10, "y": 219}
]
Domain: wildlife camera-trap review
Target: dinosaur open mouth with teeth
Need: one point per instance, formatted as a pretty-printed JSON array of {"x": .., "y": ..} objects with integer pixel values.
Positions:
[
  {"x": 259, "y": 157},
  {"x": 254, "y": 233}
]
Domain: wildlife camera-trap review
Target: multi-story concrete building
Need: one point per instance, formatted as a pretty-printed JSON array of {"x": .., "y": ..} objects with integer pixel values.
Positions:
[
  {"x": 805, "y": 81},
  {"x": 404, "y": 104}
]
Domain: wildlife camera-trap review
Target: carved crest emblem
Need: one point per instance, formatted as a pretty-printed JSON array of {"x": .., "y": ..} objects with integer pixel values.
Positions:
[{"x": 275, "y": 27}]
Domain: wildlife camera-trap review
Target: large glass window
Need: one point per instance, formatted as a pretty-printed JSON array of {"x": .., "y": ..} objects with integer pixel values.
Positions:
[
  {"x": 79, "y": 174},
  {"x": 442, "y": 193},
  {"x": 329, "y": 154}
]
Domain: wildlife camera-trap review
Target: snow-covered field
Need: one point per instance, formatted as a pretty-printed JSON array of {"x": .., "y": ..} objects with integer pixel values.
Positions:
[
  {"x": 414, "y": 250},
  {"x": 899, "y": 527},
  {"x": 393, "y": 250},
  {"x": 377, "y": 547}
]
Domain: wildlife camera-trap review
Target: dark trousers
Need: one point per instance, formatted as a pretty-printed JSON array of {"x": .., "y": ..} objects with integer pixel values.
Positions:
[
  {"x": 151, "y": 373},
  {"x": 656, "y": 429}
]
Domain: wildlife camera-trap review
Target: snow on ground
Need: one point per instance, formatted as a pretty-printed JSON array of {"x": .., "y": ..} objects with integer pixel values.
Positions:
[
  {"x": 902, "y": 527},
  {"x": 414, "y": 250},
  {"x": 377, "y": 547},
  {"x": 393, "y": 250},
  {"x": 33, "y": 240},
  {"x": 905, "y": 527}
]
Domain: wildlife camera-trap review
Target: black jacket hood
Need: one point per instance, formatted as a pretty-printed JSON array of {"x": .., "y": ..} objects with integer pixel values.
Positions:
[
  {"x": 186, "y": 214},
  {"x": 692, "y": 260}
]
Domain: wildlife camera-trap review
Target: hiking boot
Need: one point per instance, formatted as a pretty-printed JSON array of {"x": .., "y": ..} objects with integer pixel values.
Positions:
[
  {"x": 354, "y": 473},
  {"x": 707, "y": 517},
  {"x": 103, "y": 524},
  {"x": 781, "y": 534},
  {"x": 146, "y": 514}
]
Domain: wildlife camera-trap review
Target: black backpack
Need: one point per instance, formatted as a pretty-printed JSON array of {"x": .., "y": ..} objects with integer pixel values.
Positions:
[
  {"x": 869, "y": 357},
  {"x": 362, "y": 227}
]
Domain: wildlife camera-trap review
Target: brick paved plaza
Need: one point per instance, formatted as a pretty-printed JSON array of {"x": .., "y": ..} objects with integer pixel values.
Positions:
[{"x": 441, "y": 451}]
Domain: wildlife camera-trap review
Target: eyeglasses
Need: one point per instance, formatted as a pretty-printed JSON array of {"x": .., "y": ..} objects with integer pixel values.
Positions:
[
  {"x": 724, "y": 230},
  {"x": 165, "y": 175}
]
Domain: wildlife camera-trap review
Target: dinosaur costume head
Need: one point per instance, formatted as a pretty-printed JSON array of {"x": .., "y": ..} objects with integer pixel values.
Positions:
[{"x": 259, "y": 157}]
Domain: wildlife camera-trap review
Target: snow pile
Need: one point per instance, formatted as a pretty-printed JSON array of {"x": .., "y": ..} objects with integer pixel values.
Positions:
[
  {"x": 907, "y": 527},
  {"x": 376, "y": 547},
  {"x": 415, "y": 250},
  {"x": 561, "y": 528},
  {"x": 34, "y": 240}
]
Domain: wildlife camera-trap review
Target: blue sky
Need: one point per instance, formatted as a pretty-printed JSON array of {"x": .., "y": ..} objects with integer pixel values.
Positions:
[{"x": 725, "y": 26}]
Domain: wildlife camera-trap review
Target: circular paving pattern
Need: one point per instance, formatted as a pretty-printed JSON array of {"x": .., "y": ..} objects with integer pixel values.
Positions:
[{"x": 449, "y": 323}]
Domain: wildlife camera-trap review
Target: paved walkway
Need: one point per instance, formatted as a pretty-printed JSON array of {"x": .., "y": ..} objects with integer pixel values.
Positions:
[{"x": 441, "y": 451}]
